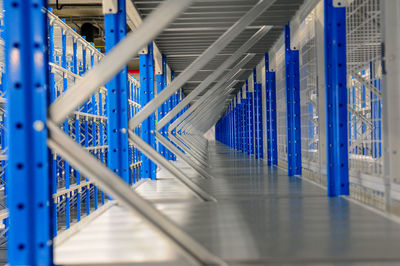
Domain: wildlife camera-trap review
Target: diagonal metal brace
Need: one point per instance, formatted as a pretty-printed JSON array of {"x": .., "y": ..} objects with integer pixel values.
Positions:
[
  {"x": 112, "y": 184},
  {"x": 214, "y": 75},
  {"x": 164, "y": 141},
  {"x": 147, "y": 150},
  {"x": 201, "y": 61},
  {"x": 116, "y": 59}
]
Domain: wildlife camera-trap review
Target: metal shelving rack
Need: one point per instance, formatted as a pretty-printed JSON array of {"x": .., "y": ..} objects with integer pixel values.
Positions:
[
  {"x": 74, "y": 195},
  {"x": 103, "y": 130}
]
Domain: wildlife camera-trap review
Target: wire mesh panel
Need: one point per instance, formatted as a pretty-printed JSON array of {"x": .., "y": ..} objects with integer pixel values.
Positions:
[
  {"x": 70, "y": 56},
  {"x": 135, "y": 157},
  {"x": 281, "y": 104},
  {"x": 364, "y": 100},
  {"x": 304, "y": 40}
]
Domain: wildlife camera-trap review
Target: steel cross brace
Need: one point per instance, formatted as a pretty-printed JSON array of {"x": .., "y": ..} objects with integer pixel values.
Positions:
[
  {"x": 86, "y": 86},
  {"x": 204, "y": 111},
  {"x": 231, "y": 74},
  {"x": 163, "y": 140},
  {"x": 117, "y": 59},
  {"x": 199, "y": 119},
  {"x": 214, "y": 75},
  {"x": 210, "y": 95},
  {"x": 215, "y": 115},
  {"x": 112, "y": 184},
  {"x": 209, "y": 105},
  {"x": 126, "y": 49},
  {"x": 209, "y": 109},
  {"x": 89, "y": 166},
  {"x": 201, "y": 61}
]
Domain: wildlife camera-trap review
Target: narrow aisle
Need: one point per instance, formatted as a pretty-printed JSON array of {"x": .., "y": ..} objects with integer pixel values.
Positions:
[{"x": 262, "y": 217}]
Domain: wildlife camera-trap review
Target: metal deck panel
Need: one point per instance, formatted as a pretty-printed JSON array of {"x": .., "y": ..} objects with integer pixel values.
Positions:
[{"x": 262, "y": 217}]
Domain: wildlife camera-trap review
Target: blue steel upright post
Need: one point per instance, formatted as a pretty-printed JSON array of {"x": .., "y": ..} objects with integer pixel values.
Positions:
[
  {"x": 52, "y": 97},
  {"x": 77, "y": 132},
  {"x": 249, "y": 118},
  {"x": 27, "y": 80},
  {"x": 146, "y": 64},
  {"x": 336, "y": 99},
  {"x": 67, "y": 169},
  {"x": 232, "y": 124},
  {"x": 240, "y": 123},
  {"x": 258, "y": 126},
  {"x": 272, "y": 136},
  {"x": 175, "y": 102},
  {"x": 236, "y": 115},
  {"x": 117, "y": 99},
  {"x": 244, "y": 121},
  {"x": 168, "y": 108},
  {"x": 293, "y": 107},
  {"x": 161, "y": 84}
]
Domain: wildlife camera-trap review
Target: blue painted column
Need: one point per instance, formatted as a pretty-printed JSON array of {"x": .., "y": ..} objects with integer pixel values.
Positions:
[
  {"x": 52, "y": 94},
  {"x": 161, "y": 84},
  {"x": 101, "y": 135},
  {"x": 260, "y": 122},
  {"x": 94, "y": 134},
  {"x": 77, "y": 130},
  {"x": 29, "y": 183},
  {"x": 86, "y": 144},
  {"x": 245, "y": 141},
  {"x": 258, "y": 126},
  {"x": 336, "y": 99},
  {"x": 250, "y": 120},
  {"x": 292, "y": 107},
  {"x": 131, "y": 112},
  {"x": 168, "y": 108},
  {"x": 240, "y": 124},
  {"x": 236, "y": 112},
  {"x": 159, "y": 87},
  {"x": 227, "y": 125},
  {"x": 146, "y": 64},
  {"x": 272, "y": 136},
  {"x": 64, "y": 64},
  {"x": 231, "y": 126},
  {"x": 117, "y": 99},
  {"x": 175, "y": 102}
]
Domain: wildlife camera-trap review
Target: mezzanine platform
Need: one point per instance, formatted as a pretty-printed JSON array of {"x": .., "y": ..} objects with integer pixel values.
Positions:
[{"x": 262, "y": 217}]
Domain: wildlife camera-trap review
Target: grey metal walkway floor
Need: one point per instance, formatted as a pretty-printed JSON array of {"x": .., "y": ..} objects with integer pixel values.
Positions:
[{"x": 262, "y": 217}]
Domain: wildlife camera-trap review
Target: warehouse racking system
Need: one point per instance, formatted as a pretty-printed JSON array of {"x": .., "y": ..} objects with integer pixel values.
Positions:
[{"x": 251, "y": 132}]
